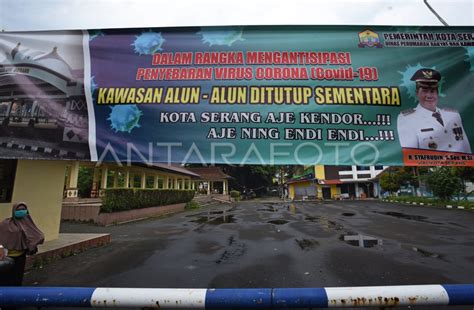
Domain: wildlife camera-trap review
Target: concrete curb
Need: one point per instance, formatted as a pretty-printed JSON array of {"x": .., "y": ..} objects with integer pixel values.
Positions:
[
  {"x": 50, "y": 253},
  {"x": 425, "y": 204}
]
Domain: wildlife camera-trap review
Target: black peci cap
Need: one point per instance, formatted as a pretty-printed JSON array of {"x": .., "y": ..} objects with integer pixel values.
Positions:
[{"x": 426, "y": 78}]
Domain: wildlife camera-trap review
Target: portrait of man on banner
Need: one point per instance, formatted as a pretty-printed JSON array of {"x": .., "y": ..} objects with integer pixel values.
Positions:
[{"x": 427, "y": 126}]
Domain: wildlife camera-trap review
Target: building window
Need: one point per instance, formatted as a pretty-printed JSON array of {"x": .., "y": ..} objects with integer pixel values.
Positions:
[
  {"x": 120, "y": 179},
  {"x": 161, "y": 183},
  {"x": 150, "y": 181},
  {"x": 345, "y": 168},
  {"x": 362, "y": 168},
  {"x": 363, "y": 176},
  {"x": 344, "y": 188},
  {"x": 378, "y": 167},
  {"x": 111, "y": 178},
  {"x": 137, "y": 181},
  {"x": 7, "y": 179},
  {"x": 346, "y": 176}
]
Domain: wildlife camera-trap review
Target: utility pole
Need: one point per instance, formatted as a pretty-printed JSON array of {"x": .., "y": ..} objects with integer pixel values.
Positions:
[{"x": 435, "y": 13}]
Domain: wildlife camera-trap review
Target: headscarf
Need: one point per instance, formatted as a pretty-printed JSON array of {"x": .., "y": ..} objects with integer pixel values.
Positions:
[{"x": 20, "y": 234}]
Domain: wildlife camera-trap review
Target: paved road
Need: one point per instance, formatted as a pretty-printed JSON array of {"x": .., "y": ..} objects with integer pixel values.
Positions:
[{"x": 257, "y": 244}]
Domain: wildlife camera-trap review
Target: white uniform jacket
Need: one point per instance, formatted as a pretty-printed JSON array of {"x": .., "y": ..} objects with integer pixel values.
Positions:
[{"x": 419, "y": 129}]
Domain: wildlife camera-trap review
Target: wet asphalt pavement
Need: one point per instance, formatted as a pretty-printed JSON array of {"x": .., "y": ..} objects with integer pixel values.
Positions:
[{"x": 258, "y": 244}]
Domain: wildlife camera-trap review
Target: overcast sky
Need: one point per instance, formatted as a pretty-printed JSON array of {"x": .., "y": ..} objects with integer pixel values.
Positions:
[{"x": 18, "y": 15}]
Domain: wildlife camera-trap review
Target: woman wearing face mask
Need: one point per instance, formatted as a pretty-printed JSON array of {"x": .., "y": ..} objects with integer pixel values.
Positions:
[{"x": 21, "y": 237}]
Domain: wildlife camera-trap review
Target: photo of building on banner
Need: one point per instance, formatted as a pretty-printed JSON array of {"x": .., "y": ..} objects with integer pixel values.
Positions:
[
  {"x": 309, "y": 95},
  {"x": 43, "y": 111}
]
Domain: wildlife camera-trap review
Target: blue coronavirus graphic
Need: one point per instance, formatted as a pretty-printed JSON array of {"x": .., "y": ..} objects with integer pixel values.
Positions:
[
  {"x": 124, "y": 118},
  {"x": 94, "y": 85},
  {"x": 410, "y": 85},
  {"x": 148, "y": 43},
  {"x": 93, "y": 34},
  {"x": 470, "y": 57},
  {"x": 222, "y": 36}
]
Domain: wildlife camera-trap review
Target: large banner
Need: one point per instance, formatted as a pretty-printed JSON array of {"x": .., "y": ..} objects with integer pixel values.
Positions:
[{"x": 243, "y": 95}]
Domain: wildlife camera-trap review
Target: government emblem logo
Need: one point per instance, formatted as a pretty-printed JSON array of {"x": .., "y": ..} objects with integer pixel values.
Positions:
[{"x": 369, "y": 38}]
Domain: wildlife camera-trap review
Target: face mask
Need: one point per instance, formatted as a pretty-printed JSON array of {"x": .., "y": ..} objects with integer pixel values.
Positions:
[{"x": 20, "y": 213}]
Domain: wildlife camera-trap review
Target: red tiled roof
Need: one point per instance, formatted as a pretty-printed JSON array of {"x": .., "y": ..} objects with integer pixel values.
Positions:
[
  {"x": 299, "y": 180},
  {"x": 176, "y": 168},
  {"x": 210, "y": 173}
]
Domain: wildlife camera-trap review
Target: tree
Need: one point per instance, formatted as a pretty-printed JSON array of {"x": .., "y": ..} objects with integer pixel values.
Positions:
[
  {"x": 444, "y": 183},
  {"x": 255, "y": 177},
  {"x": 406, "y": 176},
  {"x": 84, "y": 181},
  {"x": 390, "y": 180},
  {"x": 466, "y": 174}
]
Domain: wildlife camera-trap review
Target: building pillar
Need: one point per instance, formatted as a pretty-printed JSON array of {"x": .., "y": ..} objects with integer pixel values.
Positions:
[
  {"x": 175, "y": 182},
  {"x": 166, "y": 182},
  {"x": 126, "y": 182},
  {"x": 116, "y": 172},
  {"x": 208, "y": 187},
  {"x": 193, "y": 185},
  {"x": 103, "y": 181},
  {"x": 143, "y": 179},
  {"x": 95, "y": 183},
  {"x": 71, "y": 190},
  {"x": 225, "y": 188},
  {"x": 319, "y": 191},
  {"x": 155, "y": 182},
  {"x": 375, "y": 189}
]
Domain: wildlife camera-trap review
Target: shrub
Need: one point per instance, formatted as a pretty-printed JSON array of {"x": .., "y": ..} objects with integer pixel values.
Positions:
[
  {"x": 433, "y": 201},
  {"x": 191, "y": 205},
  {"x": 234, "y": 194},
  {"x": 444, "y": 183},
  {"x": 84, "y": 181},
  {"x": 129, "y": 198}
]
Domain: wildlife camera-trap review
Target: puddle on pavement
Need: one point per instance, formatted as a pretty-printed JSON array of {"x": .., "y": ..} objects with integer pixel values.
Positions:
[
  {"x": 209, "y": 213},
  {"x": 278, "y": 222},
  {"x": 324, "y": 223},
  {"x": 214, "y": 220},
  {"x": 307, "y": 244},
  {"x": 271, "y": 209},
  {"x": 422, "y": 252},
  {"x": 418, "y": 218},
  {"x": 348, "y": 214},
  {"x": 361, "y": 241}
]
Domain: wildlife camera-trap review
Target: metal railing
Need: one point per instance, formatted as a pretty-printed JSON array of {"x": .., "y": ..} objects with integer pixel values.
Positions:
[{"x": 257, "y": 298}]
